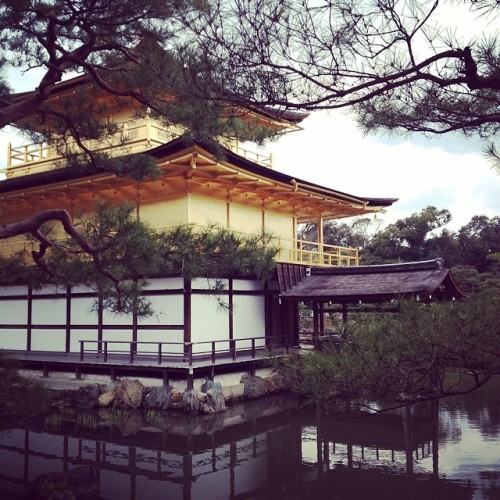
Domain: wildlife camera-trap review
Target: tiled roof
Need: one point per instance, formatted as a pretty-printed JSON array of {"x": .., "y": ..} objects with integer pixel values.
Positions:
[{"x": 427, "y": 279}]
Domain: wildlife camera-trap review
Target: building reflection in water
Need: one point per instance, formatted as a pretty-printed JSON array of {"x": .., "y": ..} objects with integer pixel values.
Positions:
[{"x": 263, "y": 449}]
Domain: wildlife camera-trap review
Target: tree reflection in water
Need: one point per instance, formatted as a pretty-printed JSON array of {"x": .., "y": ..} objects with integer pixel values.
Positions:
[{"x": 267, "y": 449}]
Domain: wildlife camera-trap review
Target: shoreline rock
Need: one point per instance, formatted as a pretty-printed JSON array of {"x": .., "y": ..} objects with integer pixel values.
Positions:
[{"x": 131, "y": 394}]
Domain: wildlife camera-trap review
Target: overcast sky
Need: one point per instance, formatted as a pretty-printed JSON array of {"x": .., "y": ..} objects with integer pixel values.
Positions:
[{"x": 448, "y": 172}]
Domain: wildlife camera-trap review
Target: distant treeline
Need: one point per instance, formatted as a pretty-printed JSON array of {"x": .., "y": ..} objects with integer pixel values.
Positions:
[{"x": 473, "y": 252}]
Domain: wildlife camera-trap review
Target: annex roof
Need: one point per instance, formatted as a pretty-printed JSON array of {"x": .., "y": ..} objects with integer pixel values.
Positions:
[{"x": 425, "y": 280}]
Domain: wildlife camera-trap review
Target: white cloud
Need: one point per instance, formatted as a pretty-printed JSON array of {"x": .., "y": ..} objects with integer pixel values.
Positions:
[{"x": 449, "y": 173}]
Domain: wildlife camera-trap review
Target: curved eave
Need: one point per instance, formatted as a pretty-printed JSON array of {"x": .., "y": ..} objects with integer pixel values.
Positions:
[
  {"x": 426, "y": 280},
  {"x": 228, "y": 158},
  {"x": 212, "y": 172}
]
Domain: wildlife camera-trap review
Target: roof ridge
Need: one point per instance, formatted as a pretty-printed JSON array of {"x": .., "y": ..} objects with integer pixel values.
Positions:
[{"x": 436, "y": 264}]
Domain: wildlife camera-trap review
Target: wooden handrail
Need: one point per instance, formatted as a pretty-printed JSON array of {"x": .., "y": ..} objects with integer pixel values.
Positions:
[{"x": 187, "y": 351}]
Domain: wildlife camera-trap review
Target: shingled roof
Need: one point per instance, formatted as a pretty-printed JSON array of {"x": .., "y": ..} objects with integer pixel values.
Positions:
[{"x": 425, "y": 280}]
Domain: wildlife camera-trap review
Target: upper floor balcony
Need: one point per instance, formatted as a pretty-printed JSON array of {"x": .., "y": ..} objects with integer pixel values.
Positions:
[
  {"x": 132, "y": 136},
  {"x": 291, "y": 251},
  {"x": 315, "y": 253}
]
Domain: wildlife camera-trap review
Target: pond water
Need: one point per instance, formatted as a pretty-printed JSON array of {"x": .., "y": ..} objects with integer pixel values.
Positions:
[{"x": 264, "y": 449}]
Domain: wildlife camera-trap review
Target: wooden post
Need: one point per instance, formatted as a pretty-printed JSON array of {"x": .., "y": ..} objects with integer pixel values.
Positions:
[
  {"x": 68, "y": 318},
  {"x": 231, "y": 316},
  {"x": 187, "y": 313},
  {"x": 315, "y": 323},
  {"x": 320, "y": 240},
  {"x": 165, "y": 377},
  {"x": 29, "y": 318}
]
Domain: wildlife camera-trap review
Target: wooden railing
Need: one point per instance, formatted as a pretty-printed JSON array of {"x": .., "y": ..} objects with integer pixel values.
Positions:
[
  {"x": 184, "y": 352},
  {"x": 315, "y": 253},
  {"x": 130, "y": 138},
  {"x": 291, "y": 251}
]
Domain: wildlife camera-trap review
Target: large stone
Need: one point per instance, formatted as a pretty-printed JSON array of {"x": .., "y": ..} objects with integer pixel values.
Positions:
[
  {"x": 190, "y": 401},
  {"x": 87, "y": 396},
  {"x": 211, "y": 384},
  {"x": 255, "y": 387},
  {"x": 106, "y": 399},
  {"x": 158, "y": 398},
  {"x": 275, "y": 383},
  {"x": 130, "y": 392},
  {"x": 176, "y": 396},
  {"x": 215, "y": 400}
]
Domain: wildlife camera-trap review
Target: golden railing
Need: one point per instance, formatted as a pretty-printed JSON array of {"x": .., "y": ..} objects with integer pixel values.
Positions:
[
  {"x": 291, "y": 251},
  {"x": 135, "y": 137},
  {"x": 316, "y": 254}
]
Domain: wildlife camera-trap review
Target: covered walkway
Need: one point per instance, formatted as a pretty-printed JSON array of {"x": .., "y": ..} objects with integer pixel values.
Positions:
[{"x": 364, "y": 288}]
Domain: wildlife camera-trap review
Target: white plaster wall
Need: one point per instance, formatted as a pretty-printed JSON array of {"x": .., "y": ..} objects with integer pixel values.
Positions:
[
  {"x": 121, "y": 337},
  {"x": 174, "y": 336},
  {"x": 49, "y": 289},
  {"x": 81, "y": 289},
  {"x": 248, "y": 285},
  {"x": 81, "y": 311},
  {"x": 109, "y": 318},
  {"x": 77, "y": 335},
  {"x": 13, "y": 339},
  {"x": 165, "y": 284},
  {"x": 168, "y": 310},
  {"x": 48, "y": 340},
  {"x": 49, "y": 311},
  {"x": 249, "y": 320},
  {"x": 209, "y": 321},
  {"x": 13, "y": 290},
  {"x": 14, "y": 312},
  {"x": 208, "y": 284}
]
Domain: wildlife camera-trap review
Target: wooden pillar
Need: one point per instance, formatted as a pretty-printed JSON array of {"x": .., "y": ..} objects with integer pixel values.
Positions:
[
  {"x": 68, "y": 318},
  {"x": 322, "y": 318},
  {"x": 134, "y": 330},
  {"x": 100, "y": 320},
  {"x": 231, "y": 313},
  {"x": 315, "y": 322},
  {"x": 187, "y": 312},
  {"x": 320, "y": 238},
  {"x": 344, "y": 313},
  {"x": 268, "y": 324},
  {"x": 165, "y": 377},
  {"x": 29, "y": 319}
]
